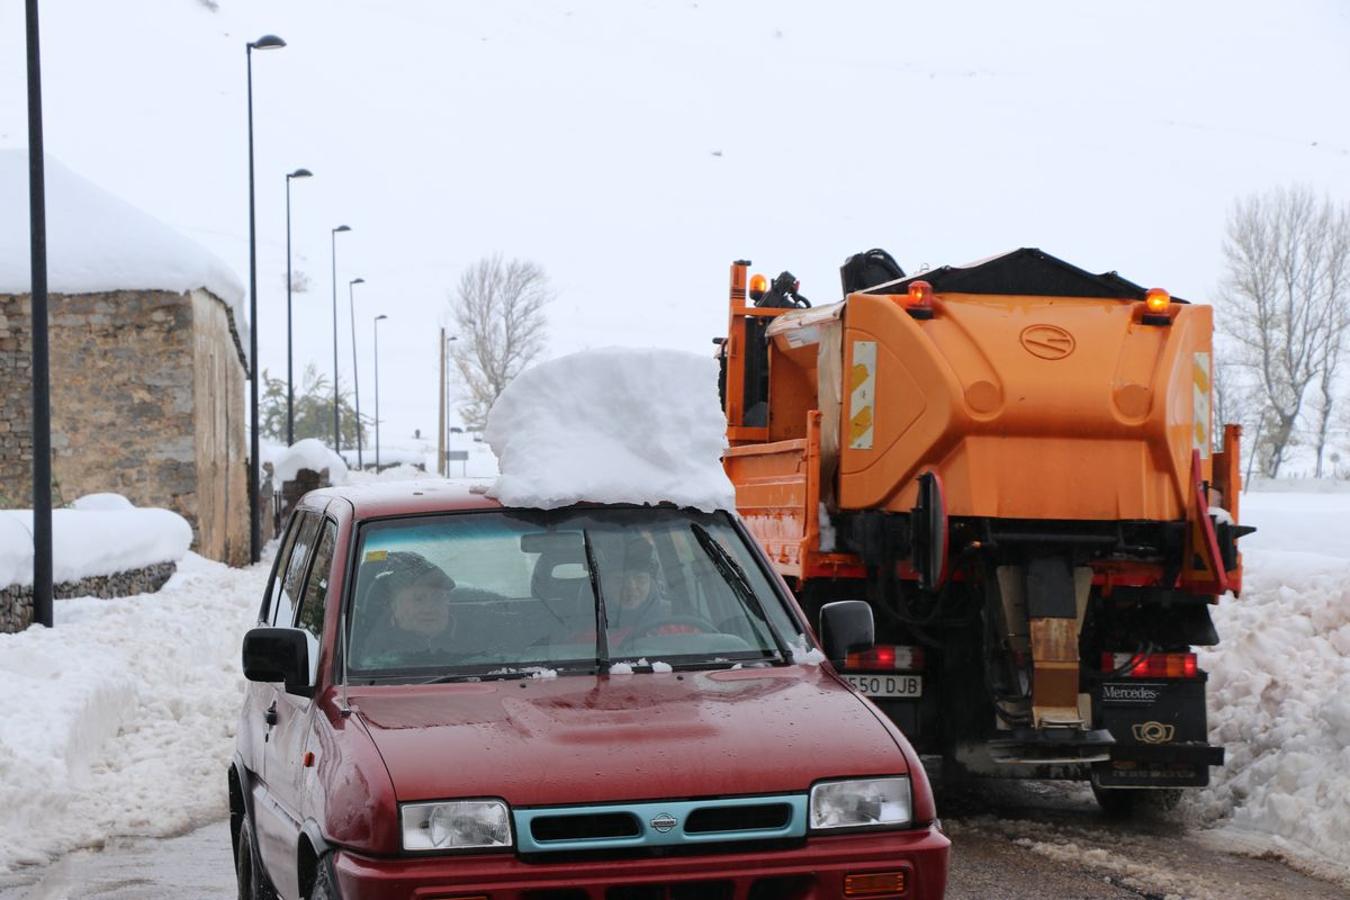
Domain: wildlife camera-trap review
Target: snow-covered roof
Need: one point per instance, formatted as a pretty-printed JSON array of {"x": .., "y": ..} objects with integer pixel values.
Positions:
[{"x": 98, "y": 242}]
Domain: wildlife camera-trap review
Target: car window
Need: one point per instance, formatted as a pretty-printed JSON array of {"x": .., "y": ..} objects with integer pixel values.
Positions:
[
  {"x": 268, "y": 611},
  {"x": 289, "y": 593},
  {"x": 316, "y": 594},
  {"x": 490, "y": 593}
]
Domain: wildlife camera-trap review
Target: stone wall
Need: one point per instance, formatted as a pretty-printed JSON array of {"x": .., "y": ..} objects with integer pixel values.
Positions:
[
  {"x": 147, "y": 401},
  {"x": 220, "y": 451},
  {"x": 16, "y": 603}
]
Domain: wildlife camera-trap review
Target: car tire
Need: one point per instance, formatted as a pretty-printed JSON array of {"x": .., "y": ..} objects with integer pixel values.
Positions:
[
  {"x": 248, "y": 874},
  {"x": 325, "y": 880}
]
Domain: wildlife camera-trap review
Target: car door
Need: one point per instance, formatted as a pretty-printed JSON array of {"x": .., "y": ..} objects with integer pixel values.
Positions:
[
  {"x": 274, "y": 825},
  {"x": 258, "y": 697},
  {"x": 285, "y": 753}
]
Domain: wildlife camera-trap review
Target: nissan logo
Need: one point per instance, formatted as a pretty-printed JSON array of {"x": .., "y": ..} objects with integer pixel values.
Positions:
[
  {"x": 664, "y": 822},
  {"x": 1047, "y": 341}
]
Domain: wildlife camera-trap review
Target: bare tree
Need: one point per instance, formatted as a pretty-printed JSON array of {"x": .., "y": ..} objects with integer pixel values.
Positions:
[
  {"x": 1285, "y": 297},
  {"x": 499, "y": 314}
]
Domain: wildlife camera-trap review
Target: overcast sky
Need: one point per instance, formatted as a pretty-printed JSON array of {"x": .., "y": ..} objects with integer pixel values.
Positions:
[{"x": 635, "y": 148}]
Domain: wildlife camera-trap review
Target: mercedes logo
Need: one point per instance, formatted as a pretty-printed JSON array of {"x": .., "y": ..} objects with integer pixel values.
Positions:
[
  {"x": 664, "y": 822},
  {"x": 1047, "y": 341}
]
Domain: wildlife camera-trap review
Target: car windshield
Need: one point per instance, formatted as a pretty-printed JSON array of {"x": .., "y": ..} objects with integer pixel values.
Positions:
[{"x": 510, "y": 594}]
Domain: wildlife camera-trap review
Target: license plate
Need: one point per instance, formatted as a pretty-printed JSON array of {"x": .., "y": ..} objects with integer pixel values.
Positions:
[{"x": 887, "y": 685}]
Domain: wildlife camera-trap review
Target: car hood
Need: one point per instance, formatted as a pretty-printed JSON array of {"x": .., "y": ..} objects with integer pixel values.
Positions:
[{"x": 593, "y": 739}]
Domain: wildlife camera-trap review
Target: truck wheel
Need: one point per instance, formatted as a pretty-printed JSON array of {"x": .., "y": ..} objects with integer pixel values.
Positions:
[
  {"x": 1124, "y": 803},
  {"x": 248, "y": 875},
  {"x": 325, "y": 880}
]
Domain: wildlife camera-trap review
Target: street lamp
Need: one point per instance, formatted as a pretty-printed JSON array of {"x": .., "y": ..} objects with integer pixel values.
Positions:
[
  {"x": 290, "y": 367},
  {"x": 446, "y": 430},
  {"x": 266, "y": 42},
  {"x": 356, "y": 385},
  {"x": 42, "y": 420},
  {"x": 337, "y": 424},
  {"x": 377, "y": 392}
]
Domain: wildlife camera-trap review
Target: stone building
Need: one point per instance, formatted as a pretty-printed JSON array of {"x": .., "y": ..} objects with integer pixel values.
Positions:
[{"x": 148, "y": 364}]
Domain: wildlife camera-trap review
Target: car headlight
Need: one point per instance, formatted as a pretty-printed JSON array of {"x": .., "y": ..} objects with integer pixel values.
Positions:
[
  {"x": 456, "y": 825},
  {"x": 865, "y": 803}
]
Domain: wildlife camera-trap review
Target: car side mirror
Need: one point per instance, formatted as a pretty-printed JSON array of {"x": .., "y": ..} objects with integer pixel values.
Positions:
[
  {"x": 846, "y": 626},
  {"x": 277, "y": 654}
]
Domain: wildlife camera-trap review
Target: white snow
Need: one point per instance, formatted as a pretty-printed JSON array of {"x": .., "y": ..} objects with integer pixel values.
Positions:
[
  {"x": 102, "y": 502},
  {"x": 310, "y": 453},
  {"x": 120, "y": 719},
  {"x": 89, "y": 542},
  {"x": 98, "y": 242},
  {"x": 1279, "y": 684},
  {"x": 614, "y": 425}
]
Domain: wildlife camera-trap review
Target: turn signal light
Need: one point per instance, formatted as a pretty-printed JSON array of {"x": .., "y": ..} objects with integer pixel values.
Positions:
[
  {"x": 874, "y": 883},
  {"x": 1151, "y": 665},
  {"x": 1157, "y": 300},
  {"x": 758, "y": 285}
]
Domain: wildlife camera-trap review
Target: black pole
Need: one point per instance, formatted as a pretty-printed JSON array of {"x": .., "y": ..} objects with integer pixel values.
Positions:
[
  {"x": 42, "y": 412},
  {"x": 254, "y": 513},
  {"x": 377, "y": 391},
  {"x": 356, "y": 384},
  {"x": 290, "y": 360},
  {"x": 337, "y": 424}
]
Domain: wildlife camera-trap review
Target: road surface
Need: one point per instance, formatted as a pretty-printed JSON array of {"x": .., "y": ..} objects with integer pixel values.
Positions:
[{"x": 1010, "y": 840}]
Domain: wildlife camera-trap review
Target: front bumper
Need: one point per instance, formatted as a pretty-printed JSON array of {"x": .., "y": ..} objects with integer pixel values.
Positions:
[{"x": 813, "y": 871}]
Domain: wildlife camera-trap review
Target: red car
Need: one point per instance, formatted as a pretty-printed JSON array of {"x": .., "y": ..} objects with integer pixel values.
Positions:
[{"x": 449, "y": 699}]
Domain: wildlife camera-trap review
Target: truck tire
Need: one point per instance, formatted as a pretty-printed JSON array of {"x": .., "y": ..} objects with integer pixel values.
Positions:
[{"x": 1125, "y": 803}]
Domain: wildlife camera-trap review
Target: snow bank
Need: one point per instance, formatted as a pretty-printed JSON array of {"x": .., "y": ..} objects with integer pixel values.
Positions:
[
  {"x": 120, "y": 720},
  {"x": 1280, "y": 683},
  {"x": 90, "y": 542},
  {"x": 612, "y": 426},
  {"x": 98, "y": 242},
  {"x": 102, "y": 502},
  {"x": 311, "y": 453}
]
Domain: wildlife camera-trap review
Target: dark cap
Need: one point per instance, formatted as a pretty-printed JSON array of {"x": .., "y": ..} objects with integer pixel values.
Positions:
[
  {"x": 639, "y": 555},
  {"x": 403, "y": 568}
]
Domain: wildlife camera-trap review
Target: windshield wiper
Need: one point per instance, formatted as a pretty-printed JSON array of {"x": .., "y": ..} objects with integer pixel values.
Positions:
[
  {"x": 601, "y": 617},
  {"x": 734, "y": 576},
  {"x": 476, "y": 676}
]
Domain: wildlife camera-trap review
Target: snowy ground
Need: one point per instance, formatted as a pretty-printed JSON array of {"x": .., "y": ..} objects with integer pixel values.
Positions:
[
  {"x": 1280, "y": 685},
  {"x": 120, "y": 720}
]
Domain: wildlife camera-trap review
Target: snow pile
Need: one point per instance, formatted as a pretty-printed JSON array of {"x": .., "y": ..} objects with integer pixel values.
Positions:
[
  {"x": 612, "y": 426},
  {"x": 311, "y": 453},
  {"x": 120, "y": 720},
  {"x": 89, "y": 542},
  {"x": 102, "y": 502},
  {"x": 98, "y": 242},
  {"x": 1280, "y": 682}
]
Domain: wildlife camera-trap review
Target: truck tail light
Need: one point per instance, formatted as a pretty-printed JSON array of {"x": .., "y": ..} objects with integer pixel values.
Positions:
[
  {"x": 1151, "y": 665},
  {"x": 886, "y": 658}
]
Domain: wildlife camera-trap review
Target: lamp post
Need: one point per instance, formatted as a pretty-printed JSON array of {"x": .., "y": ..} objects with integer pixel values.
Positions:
[
  {"x": 356, "y": 384},
  {"x": 337, "y": 424},
  {"x": 377, "y": 392},
  {"x": 447, "y": 430},
  {"x": 266, "y": 42},
  {"x": 42, "y": 423},
  {"x": 290, "y": 366}
]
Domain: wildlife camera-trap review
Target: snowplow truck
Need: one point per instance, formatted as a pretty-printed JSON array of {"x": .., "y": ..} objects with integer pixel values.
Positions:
[{"x": 1014, "y": 463}]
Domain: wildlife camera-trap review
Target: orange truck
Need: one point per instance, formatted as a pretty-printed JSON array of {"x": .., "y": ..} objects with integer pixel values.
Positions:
[{"x": 1014, "y": 463}]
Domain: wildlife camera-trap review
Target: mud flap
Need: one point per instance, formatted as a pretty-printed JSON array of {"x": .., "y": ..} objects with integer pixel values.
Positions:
[
  {"x": 1160, "y": 731},
  {"x": 929, "y": 524}
]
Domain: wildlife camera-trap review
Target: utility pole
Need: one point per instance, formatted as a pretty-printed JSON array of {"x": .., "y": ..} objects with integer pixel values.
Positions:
[
  {"x": 441, "y": 466},
  {"x": 42, "y": 410}
]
